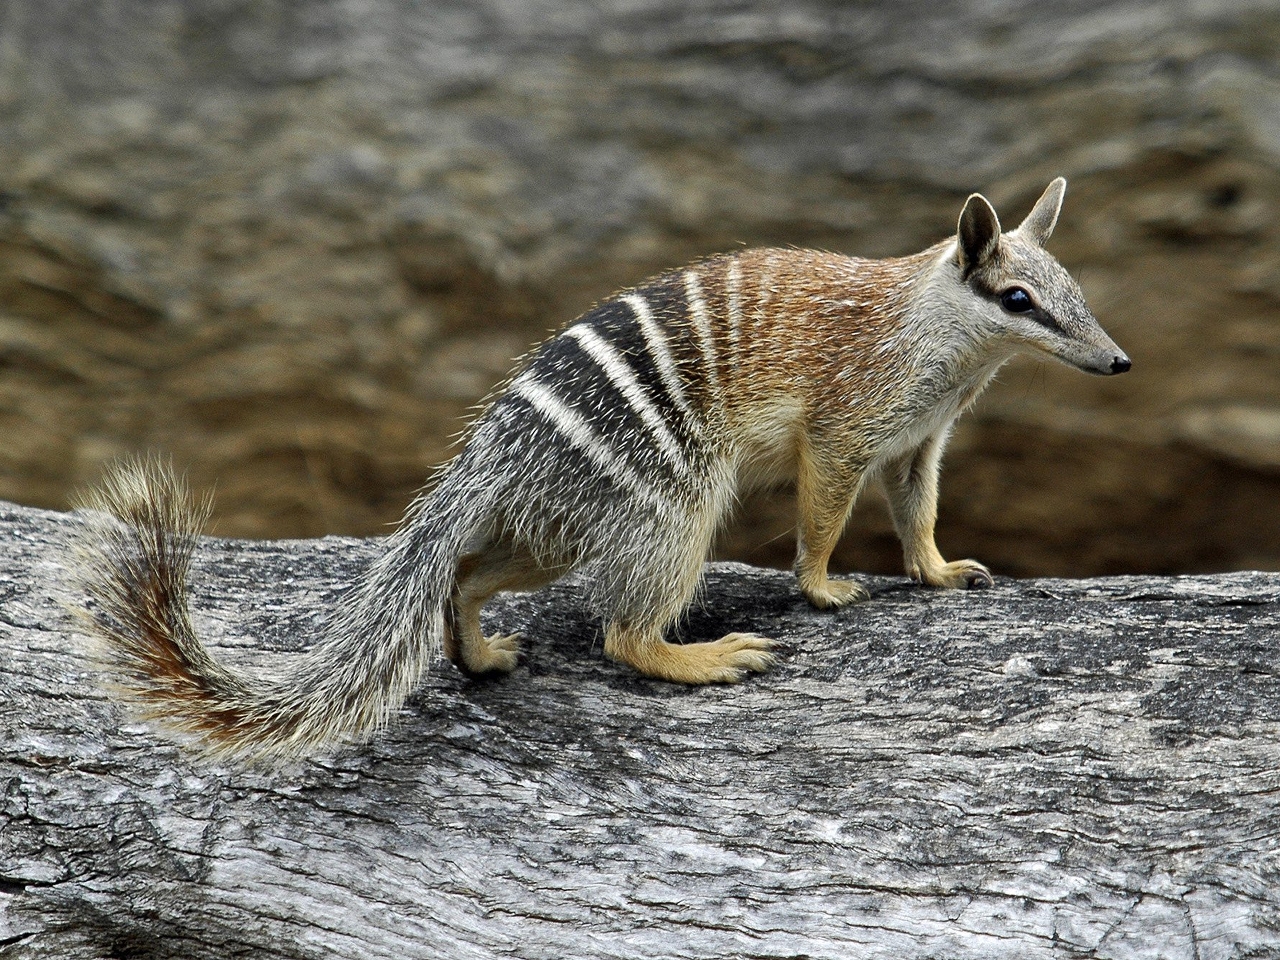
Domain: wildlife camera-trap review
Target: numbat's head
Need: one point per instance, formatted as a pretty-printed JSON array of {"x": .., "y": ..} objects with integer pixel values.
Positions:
[{"x": 1032, "y": 302}]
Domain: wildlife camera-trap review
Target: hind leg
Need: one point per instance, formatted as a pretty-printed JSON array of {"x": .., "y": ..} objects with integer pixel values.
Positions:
[
  {"x": 480, "y": 576},
  {"x": 668, "y": 577}
]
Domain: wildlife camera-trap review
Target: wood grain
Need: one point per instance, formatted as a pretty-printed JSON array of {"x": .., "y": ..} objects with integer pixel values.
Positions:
[{"x": 1046, "y": 769}]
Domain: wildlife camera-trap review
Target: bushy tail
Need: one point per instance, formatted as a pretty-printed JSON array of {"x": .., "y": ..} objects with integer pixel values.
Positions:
[{"x": 132, "y": 558}]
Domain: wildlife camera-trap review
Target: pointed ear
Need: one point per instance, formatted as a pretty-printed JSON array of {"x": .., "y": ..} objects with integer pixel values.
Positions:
[
  {"x": 979, "y": 233},
  {"x": 1044, "y": 215}
]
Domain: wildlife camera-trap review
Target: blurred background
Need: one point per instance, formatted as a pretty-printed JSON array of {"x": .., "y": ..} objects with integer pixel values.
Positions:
[{"x": 292, "y": 242}]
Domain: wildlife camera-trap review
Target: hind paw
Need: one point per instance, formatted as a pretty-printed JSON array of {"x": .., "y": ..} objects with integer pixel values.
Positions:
[{"x": 496, "y": 654}]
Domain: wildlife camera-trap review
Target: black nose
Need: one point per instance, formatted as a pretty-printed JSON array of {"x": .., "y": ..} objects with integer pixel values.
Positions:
[{"x": 1121, "y": 364}]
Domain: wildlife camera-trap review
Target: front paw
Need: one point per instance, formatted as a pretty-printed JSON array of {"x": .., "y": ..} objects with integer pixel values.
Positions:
[
  {"x": 831, "y": 594},
  {"x": 959, "y": 575}
]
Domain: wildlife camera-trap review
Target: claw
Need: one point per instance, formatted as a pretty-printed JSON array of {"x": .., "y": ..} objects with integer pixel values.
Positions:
[{"x": 978, "y": 580}]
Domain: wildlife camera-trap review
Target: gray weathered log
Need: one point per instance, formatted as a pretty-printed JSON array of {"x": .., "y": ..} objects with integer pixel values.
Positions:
[{"x": 1047, "y": 769}]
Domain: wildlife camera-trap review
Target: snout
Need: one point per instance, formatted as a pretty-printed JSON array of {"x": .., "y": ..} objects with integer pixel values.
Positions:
[
  {"x": 1103, "y": 360},
  {"x": 1100, "y": 364}
]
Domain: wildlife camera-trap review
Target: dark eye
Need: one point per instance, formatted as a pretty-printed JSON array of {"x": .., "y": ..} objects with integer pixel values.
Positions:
[{"x": 1016, "y": 300}]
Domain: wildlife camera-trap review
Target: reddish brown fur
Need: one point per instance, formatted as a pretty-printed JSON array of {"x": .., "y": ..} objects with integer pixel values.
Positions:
[{"x": 792, "y": 366}]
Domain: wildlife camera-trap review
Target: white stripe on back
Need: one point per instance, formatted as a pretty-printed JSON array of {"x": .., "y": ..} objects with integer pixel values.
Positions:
[
  {"x": 735, "y": 308},
  {"x": 702, "y": 326},
  {"x": 624, "y": 378},
  {"x": 575, "y": 428},
  {"x": 661, "y": 353}
]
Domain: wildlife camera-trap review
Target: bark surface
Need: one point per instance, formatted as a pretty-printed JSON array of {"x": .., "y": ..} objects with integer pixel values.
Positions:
[{"x": 1047, "y": 769}]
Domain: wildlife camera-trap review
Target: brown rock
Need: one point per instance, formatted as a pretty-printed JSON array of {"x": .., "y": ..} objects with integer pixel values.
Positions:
[{"x": 291, "y": 245}]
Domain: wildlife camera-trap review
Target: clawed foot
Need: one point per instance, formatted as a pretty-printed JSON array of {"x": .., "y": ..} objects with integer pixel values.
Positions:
[
  {"x": 836, "y": 593},
  {"x": 496, "y": 654},
  {"x": 739, "y": 654},
  {"x": 959, "y": 575},
  {"x": 727, "y": 660}
]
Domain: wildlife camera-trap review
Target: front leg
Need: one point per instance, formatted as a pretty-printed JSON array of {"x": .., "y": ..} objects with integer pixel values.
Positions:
[
  {"x": 911, "y": 484},
  {"x": 825, "y": 493}
]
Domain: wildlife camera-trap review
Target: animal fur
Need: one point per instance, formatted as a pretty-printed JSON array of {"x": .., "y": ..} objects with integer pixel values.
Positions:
[{"x": 620, "y": 445}]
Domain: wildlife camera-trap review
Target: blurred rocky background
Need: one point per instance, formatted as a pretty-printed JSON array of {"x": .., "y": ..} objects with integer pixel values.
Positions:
[{"x": 292, "y": 242}]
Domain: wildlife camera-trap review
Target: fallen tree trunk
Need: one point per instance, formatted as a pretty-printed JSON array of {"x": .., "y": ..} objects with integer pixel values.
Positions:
[{"x": 1045, "y": 769}]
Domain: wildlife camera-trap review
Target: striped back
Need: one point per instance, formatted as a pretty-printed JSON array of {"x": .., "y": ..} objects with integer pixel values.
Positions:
[
  {"x": 698, "y": 363},
  {"x": 633, "y": 385}
]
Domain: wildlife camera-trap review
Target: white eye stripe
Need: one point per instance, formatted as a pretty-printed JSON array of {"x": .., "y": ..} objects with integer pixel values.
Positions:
[{"x": 623, "y": 378}]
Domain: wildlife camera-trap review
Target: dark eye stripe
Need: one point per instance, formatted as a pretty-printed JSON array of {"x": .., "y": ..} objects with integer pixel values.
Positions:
[{"x": 1035, "y": 313}]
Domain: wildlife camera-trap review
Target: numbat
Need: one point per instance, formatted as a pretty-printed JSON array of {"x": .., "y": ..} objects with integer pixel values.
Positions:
[{"x": 620, "y": 445}]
